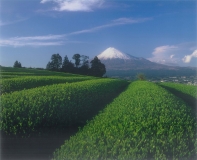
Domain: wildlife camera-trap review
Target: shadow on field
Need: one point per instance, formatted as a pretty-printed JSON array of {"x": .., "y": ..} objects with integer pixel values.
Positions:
[
  {"x": 40, "y": 146},
  {"x": 37, "y": 147},
  {"x": 191, "y": 101}
]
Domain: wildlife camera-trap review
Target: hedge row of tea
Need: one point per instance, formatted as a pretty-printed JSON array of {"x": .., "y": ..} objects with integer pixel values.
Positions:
[
  {"x": 58, "y": 105},
  {"x": 9, "y": 72},
  {"x": 27, "y": 82},
  {"x": 187, "y": 89},
  {"x": 143, "y": 122}
]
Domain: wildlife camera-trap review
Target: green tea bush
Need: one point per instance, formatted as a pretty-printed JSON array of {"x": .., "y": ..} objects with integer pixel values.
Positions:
[
  {"x": 32, "y": 72},
  {"x": 55, "y": 106},
  {"x": 27, "y": 82},
  {"x": 187, "y": 89},
  {"x": 143, "y": 122}
]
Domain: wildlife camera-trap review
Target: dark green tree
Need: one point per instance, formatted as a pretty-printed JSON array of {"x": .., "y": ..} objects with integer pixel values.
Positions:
[
  {"x": 67, "y": 66},
  {"x": 97, "y": 68},
  {"x": 55, "y": 63},
  {"x": 84, "y": 60},
  {"x": 17, "y": 64},
  {"x": 49, "y": 66},
  {"x": 77, "y": 57},
  {"x": 84, "y": 69}
]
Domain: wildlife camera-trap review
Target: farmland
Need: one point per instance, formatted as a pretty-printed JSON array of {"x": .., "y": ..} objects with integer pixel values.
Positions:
[
  {"x": 160, "y": 126},
  {"x": 187, "y": 89},
  {"x": 27, "y": 82},
  {"x": 117, "y": 119}
]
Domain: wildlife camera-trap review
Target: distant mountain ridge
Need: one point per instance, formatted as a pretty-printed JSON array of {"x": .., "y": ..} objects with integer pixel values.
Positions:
[{"x": 117, "y": 60}]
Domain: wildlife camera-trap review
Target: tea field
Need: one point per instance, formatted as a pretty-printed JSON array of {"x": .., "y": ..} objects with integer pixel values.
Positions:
[{"x": 116, "y": 119}]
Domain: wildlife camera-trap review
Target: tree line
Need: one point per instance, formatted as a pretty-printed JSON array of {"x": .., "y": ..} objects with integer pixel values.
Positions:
[{"x": 81, "y": 65}]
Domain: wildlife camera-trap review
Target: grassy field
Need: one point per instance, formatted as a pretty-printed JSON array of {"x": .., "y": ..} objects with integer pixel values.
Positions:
[{"x": 118, "y": 119}]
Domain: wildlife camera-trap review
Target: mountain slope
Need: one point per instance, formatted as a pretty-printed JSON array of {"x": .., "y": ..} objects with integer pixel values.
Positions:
[{"x": 117, "y": 60}]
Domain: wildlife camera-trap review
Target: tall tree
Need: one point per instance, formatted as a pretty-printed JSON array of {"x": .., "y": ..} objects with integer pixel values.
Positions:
[
  {"x": 77, "y": 57},
  {"x": 67, "y": 66},
  {"x": 55, "y": 63},
  {"x": 84, "y": 60},
  {"x": 65, "y": 63},
  {"x": 97, "y": 68},
  {"x": 49, "y": 66},
  {"x": 17, "y": 64},
  {"x": 84, "y": 69}
]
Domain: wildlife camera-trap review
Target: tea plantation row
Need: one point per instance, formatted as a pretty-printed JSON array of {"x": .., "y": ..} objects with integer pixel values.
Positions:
[
  {"x": 58, "y": 105},
  {"x": 9, "y": 72},
  {"x": 187, "y": 89},
  {"x": 143, "y": 122},
  {"x": 27, "y": 82}
]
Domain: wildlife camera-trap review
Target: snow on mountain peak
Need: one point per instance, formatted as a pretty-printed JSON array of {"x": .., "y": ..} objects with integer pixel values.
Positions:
[{"x": 111, "y": 53}]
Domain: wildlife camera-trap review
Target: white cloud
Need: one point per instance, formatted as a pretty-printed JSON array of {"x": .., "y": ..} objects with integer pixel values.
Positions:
[
  {"x": 187, "y": 58},
  {"x": 163, "y": 55},
  {"x": 33, "y": 41},
  {"x": 27, "y": 43},
  {"x": 163, "y": 49},
  {"x": 116, "y": 22},
  {"x": 174, "y": 54},
  {"x": 171, "y": 56},
  {"x": 47, "y": 37},
  {"x": 62, "y": 38},
  {"x": 44, "y": 1},
  {"x": 11, "y": 22},
  {"x": 130, "y": 20},
  {"x": 75, "y": 5}
]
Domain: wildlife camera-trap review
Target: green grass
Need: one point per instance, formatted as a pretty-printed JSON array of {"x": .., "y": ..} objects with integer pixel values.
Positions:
[{"x": 143, "y": 122}]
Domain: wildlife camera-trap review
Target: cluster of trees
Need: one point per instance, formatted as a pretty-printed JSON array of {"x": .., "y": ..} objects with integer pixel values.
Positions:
[
  {"x": 80, "y": 66},
  {"x": 17, "y": 64}
]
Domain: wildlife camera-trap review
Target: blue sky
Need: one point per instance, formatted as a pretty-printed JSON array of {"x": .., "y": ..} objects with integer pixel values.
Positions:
[{"x": 161, "y": 31}]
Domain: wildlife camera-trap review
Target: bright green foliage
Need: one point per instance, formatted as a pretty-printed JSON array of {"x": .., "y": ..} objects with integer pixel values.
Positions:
[
  {"x": 143, "y": 122},
  {"x": 32, "y": 72},
  {"x": 58, "y": 105},
  {"x": 18, "y": 73},
  {"x": 187, "y": 89},
  {"x": 27, "y": 82}
]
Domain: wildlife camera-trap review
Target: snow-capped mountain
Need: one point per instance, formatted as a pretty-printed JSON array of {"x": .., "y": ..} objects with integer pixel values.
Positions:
[
  {"x": 122, "y": 65},
  {"x": 117, "y": 60},
  {"x": 112, "y": 53}
]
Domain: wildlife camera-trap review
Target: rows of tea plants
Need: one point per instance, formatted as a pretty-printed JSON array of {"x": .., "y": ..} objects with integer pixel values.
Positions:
[
  {"x": 187, "y": 89},
  {"x": 143, "y": 122},
  {"x": 58, "y": 105},
  {"x": 45, "y": 73},
  {"x": 7, "y": 72},
  {"x": 27, "y": 82}
]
